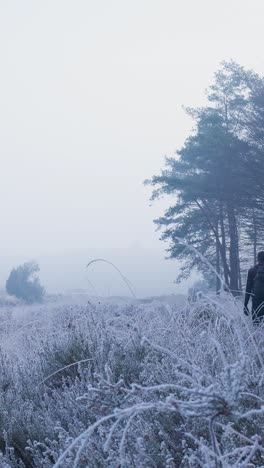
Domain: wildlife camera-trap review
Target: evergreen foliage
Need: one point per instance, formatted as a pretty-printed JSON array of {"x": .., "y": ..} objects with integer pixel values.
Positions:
[{"x": 217, "y": 179}]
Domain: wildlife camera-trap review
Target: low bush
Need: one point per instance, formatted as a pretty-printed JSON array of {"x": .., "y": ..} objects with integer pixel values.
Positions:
[{"x": 132, "y": 386}]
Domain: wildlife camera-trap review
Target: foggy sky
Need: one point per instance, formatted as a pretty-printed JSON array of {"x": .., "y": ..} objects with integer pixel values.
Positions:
[{"x": 91, "y": 95}]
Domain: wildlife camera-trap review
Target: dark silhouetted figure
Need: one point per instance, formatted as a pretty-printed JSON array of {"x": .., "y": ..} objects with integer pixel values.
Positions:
[{"x": 255, "y": 289}]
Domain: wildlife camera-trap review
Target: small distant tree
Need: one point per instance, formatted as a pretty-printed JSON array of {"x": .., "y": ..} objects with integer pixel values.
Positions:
[{"x": 24, "y": 283}]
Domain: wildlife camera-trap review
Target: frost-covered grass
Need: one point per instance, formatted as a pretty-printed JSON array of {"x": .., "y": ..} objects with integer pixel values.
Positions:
[{"x": 131, "y": 385}]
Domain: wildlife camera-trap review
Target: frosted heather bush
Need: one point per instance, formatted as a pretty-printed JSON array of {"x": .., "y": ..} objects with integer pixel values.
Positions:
[{"x": 131, "y": 385}]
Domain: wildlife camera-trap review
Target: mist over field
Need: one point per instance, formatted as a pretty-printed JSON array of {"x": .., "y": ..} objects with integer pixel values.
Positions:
[
  {"x": 132, "y": 227},
  {"x": 91, "y": 102},
  {"x": 66, "y": 271}
]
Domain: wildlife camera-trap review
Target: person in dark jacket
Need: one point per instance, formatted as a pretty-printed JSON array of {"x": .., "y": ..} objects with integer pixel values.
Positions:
[{"x": 255, "y": 289}]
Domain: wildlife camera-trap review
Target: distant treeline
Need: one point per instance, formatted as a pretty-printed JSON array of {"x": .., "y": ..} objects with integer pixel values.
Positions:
[{"x": 217, "y": 180}]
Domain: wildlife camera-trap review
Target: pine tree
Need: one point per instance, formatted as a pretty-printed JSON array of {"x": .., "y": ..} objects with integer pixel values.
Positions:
[{"x": 217, "y": 178}]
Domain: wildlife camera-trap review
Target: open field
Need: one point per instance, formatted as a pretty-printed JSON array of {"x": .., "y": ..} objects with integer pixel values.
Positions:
[{"x": 120, "y": 383}]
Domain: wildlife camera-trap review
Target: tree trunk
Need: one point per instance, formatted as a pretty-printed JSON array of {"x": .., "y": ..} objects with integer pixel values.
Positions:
[
  {"x": 233, "y": 250},
  {"x": 218, "y": 282},
  {"x": 238, "y": 261},
  {"x": 223, "y": 237},
  {"x": 221, "y": 246},
  {"x": 255, "y": 236}
]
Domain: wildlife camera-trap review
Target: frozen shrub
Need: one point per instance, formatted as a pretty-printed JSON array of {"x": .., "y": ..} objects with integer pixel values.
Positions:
[{"x": 140, "y": 385}]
